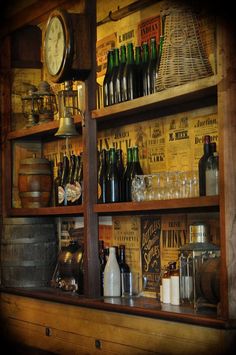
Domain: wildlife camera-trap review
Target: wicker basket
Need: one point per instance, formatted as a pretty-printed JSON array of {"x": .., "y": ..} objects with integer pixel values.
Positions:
[{"x": 183, "y": 56}]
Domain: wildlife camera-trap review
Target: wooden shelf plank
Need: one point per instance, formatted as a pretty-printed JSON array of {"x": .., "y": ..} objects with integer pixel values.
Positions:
[
  {"x": 40, "y": 129},
  {"x": 190, "y": 203},
  {"x": 178, "y": 94},
  {"x": 45, "y": 211}
]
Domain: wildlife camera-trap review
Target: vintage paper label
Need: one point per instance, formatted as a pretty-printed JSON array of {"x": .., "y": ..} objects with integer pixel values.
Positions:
[
  {"x": 126, "y": 231},
  {"x": 150, "y": 251}
]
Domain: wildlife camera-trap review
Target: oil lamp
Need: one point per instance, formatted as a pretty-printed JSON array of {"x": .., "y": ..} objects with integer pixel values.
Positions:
[
  {"x": 47, "y": 105},
  {"x": 199, "y": 269},
  {"x": 68, "y": 99},
  {"x": 30, "y": 106}
]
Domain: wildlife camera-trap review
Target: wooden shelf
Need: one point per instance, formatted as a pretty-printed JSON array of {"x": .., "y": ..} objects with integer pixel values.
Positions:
[
  {"x": 207, "y": 202},
  {"x": 46, "y": 211},
  {"x": 179, "y": 94},
  {"x": 40, "y": 129}
]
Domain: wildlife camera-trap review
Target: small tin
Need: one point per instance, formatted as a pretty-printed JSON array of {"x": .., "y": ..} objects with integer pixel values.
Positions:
[{"x": 198, "y": 233}]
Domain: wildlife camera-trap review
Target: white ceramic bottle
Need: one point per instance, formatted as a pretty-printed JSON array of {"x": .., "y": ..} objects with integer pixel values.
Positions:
[{"x": 112, "y": 275}]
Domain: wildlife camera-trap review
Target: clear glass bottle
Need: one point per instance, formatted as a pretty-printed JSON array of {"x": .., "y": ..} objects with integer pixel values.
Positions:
[
  {"x": 112, "y": 284},
  {"x": 212, "y": 175}
]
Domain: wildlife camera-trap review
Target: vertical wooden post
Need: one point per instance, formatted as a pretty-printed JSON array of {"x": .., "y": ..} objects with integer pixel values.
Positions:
[
  {"x": 92, "y": 274},
  {"x": 5, "y": 91},
  {"x": 227, "y": 135}
]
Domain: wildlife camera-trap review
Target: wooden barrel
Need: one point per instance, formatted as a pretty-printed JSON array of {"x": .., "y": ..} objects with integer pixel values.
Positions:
[
  {"x": 209, "y": 280},
  {"x": 28, "y": 252},
  {"x": 35, "y": 182}
]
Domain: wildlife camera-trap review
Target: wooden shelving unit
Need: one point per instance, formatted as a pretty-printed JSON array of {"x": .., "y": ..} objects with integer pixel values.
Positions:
[{"x": 220, "y": 88}]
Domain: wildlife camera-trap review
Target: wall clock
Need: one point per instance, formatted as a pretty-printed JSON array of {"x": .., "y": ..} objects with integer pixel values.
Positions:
[{"x": 66, "y": 46}]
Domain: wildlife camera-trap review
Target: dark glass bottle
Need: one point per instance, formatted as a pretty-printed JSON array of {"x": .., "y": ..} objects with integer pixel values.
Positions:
[
  {"x": 138, "y": 65},
  {"x": 120, "y": 168},
  {"x": 57, "y": 182},
  {"x": 124, "y": 267},
  {"x": 159, "y": 54},
  {"x": 129, "y": 76},
  {"x": 70, "y": 181},
  {"x": 62, "y": 198},
  {"x": 145, "y": 62},
  {"x": 75, "y": 192},
  {"x": 113, "y": 94},
  {"x": 102, "y": 261},
  {"x": 152, "y": 66},
  {"x": 119, "y": 80},
  {"x": 79, "y": 181},
  {"x": 202, "y": 165},
  {"x": 127, "y": 176},
  {"x": 107, "y": 78},
  {"x": 102, "y": 177},
  {"x": 112, "y": 186}
]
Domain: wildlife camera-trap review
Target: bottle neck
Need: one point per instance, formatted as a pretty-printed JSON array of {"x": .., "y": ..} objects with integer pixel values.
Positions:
[
  {"x": 153, "y": 49},
  {"x": 135, "y": 155},
  {"x": 130, "y": 54},
  {"x": 145, "y": 53},
  {"x": 112, "y": 156},
  {"x": 110, "y": 61},
  {"x": 122, "y": 54},
  {"x": 116, "y": 57},
  {"x": 138, "y": 55},
  {"x": 129, "y": 156}
]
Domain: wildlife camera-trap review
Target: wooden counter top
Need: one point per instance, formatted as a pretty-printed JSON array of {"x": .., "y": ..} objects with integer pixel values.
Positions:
[{"x": 141, "y": 306}]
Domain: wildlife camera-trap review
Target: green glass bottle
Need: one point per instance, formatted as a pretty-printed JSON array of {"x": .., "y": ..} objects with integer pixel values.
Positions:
[
  {"x": 145, "y": 62},
  {"x": 102, "y": 177},
  {"x": 120, "y": 168},
  {"x": 127, "y": 176},
  {"x": 129, "y": 76},
  {"x": 159, "y": 54},
  {"x": 113, "y": 95},
  {"x": 112, "y": 186},
  {"x": 119, "y": 81},
  {"x": 107, "y": 78},
  {"x": 152, "y": 66},
  {"x": 138, "y": 65}
]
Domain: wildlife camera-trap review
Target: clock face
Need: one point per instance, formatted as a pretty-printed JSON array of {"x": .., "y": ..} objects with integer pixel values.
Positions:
[{"x": 54, "y": 45}]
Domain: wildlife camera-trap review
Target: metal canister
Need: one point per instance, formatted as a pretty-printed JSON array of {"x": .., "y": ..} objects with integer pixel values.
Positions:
[{"x": 199, "y": 233}]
